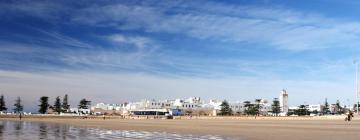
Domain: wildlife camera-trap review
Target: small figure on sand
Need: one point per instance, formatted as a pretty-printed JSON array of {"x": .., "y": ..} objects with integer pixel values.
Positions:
[{"x": 349, "y": 116}]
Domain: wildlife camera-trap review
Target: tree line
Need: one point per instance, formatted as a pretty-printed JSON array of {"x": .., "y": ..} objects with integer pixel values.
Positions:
[
  {"x": 18, "y": 107},
  {"x": 302, "y": 110},
  {"x": 44, "y": 106},
  {"x": 249, "y": 108}
]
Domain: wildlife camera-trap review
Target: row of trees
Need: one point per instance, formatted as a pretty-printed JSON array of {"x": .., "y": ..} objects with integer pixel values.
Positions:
[
  {"x": 18, "y": 107},
  {"x": 254, "y": 109},
  {"x": 303, "y": 109},
  {"x": 58, "y": 106},
  {"x": 250, "y": 109}
]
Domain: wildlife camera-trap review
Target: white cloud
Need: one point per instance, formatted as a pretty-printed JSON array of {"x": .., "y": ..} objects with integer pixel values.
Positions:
[
  {"x": 44, "y": 9},
  {"x": 39, "y": 56},
  {"x": 276, "y": 26},
  {"x": 138, "y": 41},
  {"x": 57, "y": 38},
  {"x": 272, "y": 26}
]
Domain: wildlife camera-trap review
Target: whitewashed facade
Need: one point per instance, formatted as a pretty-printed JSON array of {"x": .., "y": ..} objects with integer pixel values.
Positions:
[{"x": 283, "y": 99}]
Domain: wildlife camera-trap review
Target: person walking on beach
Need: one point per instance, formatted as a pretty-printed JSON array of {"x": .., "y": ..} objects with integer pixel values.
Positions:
[
  {"x": 104, "y": 116},
  {"x": 349, "y": 116}
]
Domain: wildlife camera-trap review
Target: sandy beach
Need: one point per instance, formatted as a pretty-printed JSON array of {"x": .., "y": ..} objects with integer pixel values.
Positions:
[{"x": 253, "y": 129}]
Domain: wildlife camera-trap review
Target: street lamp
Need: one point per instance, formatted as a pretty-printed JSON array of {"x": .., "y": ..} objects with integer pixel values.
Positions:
[{"x": 356, "y": 85}]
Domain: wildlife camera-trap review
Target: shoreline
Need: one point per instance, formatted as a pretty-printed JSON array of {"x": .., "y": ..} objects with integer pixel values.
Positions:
[
  {"x": 90, "y": 117},
  {"x": 242, "y": 127}
]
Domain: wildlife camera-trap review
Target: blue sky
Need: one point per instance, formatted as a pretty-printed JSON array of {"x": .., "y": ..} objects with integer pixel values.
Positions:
[{"x": 116, "y": 51}]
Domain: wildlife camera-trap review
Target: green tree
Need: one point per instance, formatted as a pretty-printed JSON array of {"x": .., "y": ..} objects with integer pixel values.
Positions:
[
  {"x": 326, "y": 109},
  {"x": 302, "y": 111},
  {"x": 65, "y": 104},
  {"x": 18, "y": 106},
  {"x": 275, "y": 107},
  {"x": 57, "y": 105},
  {"x": 84, "y": 104},
  {"x": 44, "y": 104},
  {"x": 356, "y": 106},
  {"x": 339, "y": 110},
  {"x": 250, "y": 109},
  {"x": 2, "y": 104},
  {"x": 258, "y": 107},
  {"x": 225, "y": 109}
]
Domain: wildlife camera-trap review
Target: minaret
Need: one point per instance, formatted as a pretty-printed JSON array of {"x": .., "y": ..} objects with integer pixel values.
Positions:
[{"x": 284, "y": 107}]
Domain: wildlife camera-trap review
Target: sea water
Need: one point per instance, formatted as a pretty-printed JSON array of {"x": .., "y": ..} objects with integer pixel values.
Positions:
[{"x": 23, "y": 130}]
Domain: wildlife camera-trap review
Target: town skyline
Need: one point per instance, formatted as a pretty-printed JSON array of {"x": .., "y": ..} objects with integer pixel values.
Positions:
[
  {"x": 117, "y": 51},
  {"x": 74, "y": 104}
]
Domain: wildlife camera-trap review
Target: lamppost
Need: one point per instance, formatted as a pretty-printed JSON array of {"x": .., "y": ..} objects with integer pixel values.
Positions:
[{"x": 356, "y": 85}]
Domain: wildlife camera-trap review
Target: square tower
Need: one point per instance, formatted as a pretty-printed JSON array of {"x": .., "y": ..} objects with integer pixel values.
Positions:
[{"x": 283, "y": 99}]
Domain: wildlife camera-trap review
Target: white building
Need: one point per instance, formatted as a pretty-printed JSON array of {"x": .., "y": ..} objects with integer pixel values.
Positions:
[
  {"x": 190, "y": 103},
  {"x": 80, "y": 111},
  {"x": 237, "y": 107},
  {"x": 154, "y": 104},
  {"x": 265, "y": 107},
  {"x": 104, "y": 106},
  {"x": 283, "y": 99},
  {"x": 180, "y": 106},
  {"x": 214, "y": 104},
  {"x": 315, "y": 107}
]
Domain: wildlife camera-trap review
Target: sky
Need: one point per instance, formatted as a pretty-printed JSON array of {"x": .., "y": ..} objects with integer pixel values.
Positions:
[{"x": 122, "y": 51}]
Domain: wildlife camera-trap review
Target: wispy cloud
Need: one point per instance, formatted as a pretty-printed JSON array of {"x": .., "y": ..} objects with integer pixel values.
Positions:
[
  {"x": 173, "y": 49},
  {"x": 41, "y": 9},
  {"x": 57, "y": 52},
  {"x": 274, "y": 27},
  {"x": 57, "y": 38},
  {"x": 139, "y": 42}
]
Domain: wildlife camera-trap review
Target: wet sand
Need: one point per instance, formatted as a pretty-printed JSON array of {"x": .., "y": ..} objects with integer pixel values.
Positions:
[{"x": 252, "y": 129}]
